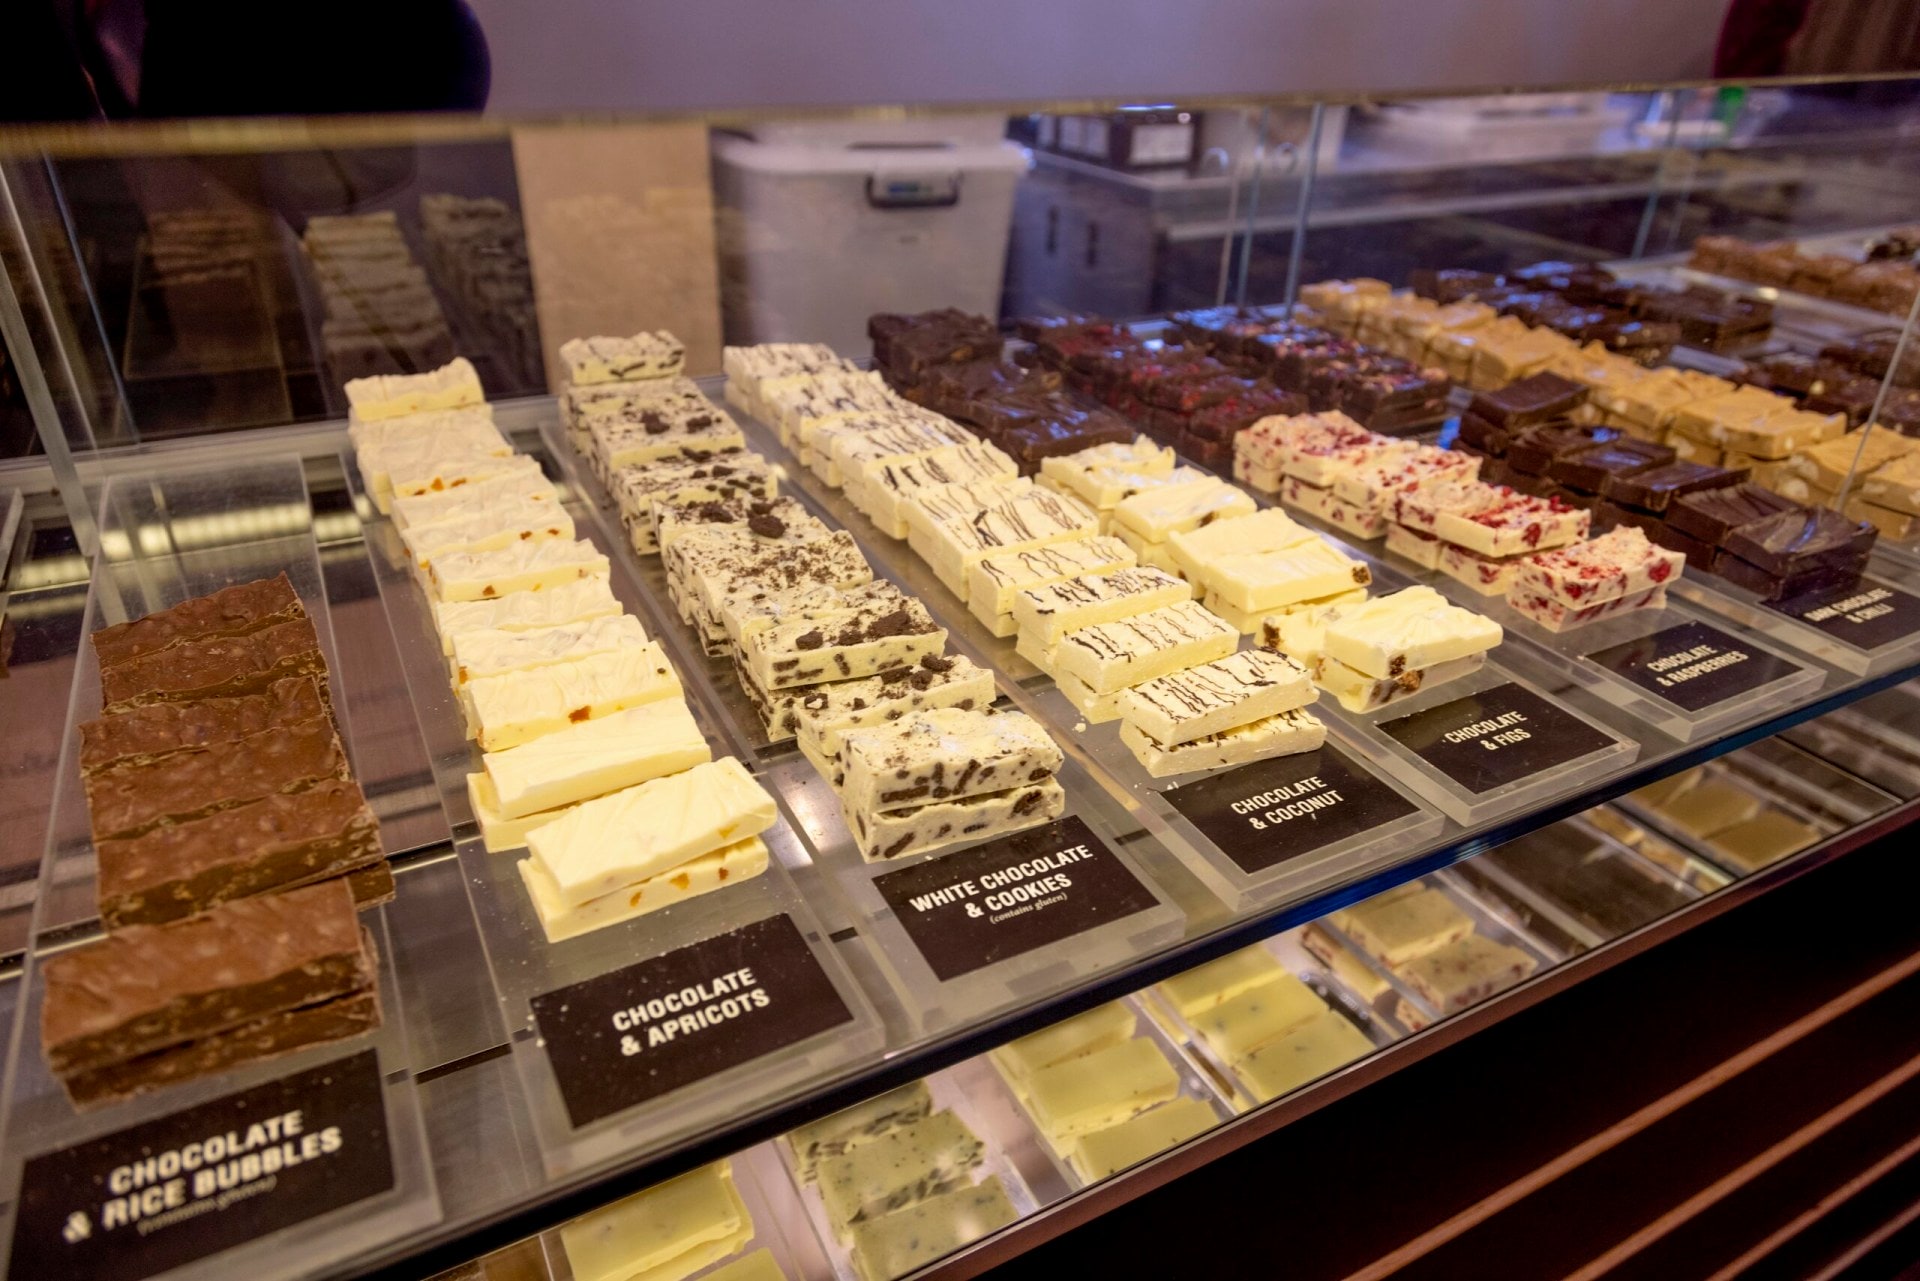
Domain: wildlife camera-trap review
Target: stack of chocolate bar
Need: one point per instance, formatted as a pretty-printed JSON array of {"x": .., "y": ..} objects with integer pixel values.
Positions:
[
  {"x": 153, "y": 1005},
  {"x": 951, "y": 363},
  {"x": 1824, "y": 385},
  {"x": 1748, "y": 535},
  {"x": 1584, "y": 302},
  {"x": 214, "y": 779},
  {"x": 1872, "y": 356},
  {"x": 1767, "y": 544},
  {"x": 1377, "y": 389},
  {"x": 1885, "y": 281},
  {"x": 1494, "y": 419},
  {"x": 1182, "y": 396}
]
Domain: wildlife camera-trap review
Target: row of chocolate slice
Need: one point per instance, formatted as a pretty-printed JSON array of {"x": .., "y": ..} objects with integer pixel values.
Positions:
[
  {"x": 590, "y": 757},
  {"x": 1790, "y": 421},
  {"x": 233, "y": 845},
  {"x": 822, "y": 650}
]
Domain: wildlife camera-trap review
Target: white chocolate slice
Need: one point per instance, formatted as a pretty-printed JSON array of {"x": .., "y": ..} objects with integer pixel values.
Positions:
[
  {"x": 995, "y": 579},
  {"x": 1282, "y": 734},
  {"x": 479, "y": 655},
  {"x": 898, "y": 1169},
  {"x": 476, "y": 497},
  {"x": 1264, "y": 531},
  {"x": 927, "y": 508},
  {"x": 1105, "y": 1153},
  {"x": 651, "y": 1228},
  {"x": 864, "y": 1122},
  {"x": 892, "y": 834},
  {"x": 1049, "y": 611},
  {"x": 1263, "y": 581},
  {"x": 1251, "y": 622},
  {"x": 1238, "y": 1027},
  {"x": 611, "y": 360},
  {"x": 498, "y": 832},
  {"x": 528, "y": 566},
  {"x": 1319, "y": 1046},
  {"x": 606, "y": 844},
  {"x": 1359, "y": 692},
  {"x": 943, "y": 754},
  {"x": 1101, "y": 1089},
  {"x": 717, "y": 869},
  {"x": 1400, "y": 928},
  {"x": 1108, "y": 656},
  {"x": 514, "y": 520},
  {"x": 1157, "y": 514},
  {"x": 452, "y": 386},
  {"x": 1465, "y": 972},
  {"x": 887, "y": 485},
  {"x": 1096, "y": 1029},
  {"x": 1406, "y": 631},
  {"x": 825, "y": 713},
  {"x": 842, "y": 645},
  {"x": 599, "y": 756},
  {"x": 575, "y": 602},
  {"x": 895, "y": 1244},
  {"x": 506, "y": 711},
  {"x": 1205, "y": 987},
  {"x": 1246, "y": 686},
  {"x": 454, "y": 473},
  {"x": 1035, "y": 518}
]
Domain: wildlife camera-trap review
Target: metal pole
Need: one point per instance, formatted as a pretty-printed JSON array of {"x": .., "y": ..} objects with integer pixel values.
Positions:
[
  {"x": 1886, "y": 385},
  {"x": 1253, "y": 207},
  {"x": 1303, "y": 208},
  {"x": 46, "y": 417}
]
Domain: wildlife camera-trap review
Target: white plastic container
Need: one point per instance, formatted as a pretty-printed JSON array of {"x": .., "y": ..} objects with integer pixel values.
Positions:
[{"x": 820, "y": 228}]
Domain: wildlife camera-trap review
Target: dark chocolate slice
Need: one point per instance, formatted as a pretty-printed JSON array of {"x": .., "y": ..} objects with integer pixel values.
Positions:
[
  {"x": 1533, "y": 450},
  {"x": 1712, "y": 514},
  {"x": 1488, "y": 437},
  {"x": 270, "y": 1037},
  {"x": 231, "y": 611},
  {"x": 1797, "y": 540},
  {"x": 129, "y": 801},
  {"x": 1699, "y": 554},
  {"x": 1656, "y": 488},
  {"x": 146, "y": 734},
  {"x": 152, "y": 986},
  {"x": 1774, "y": 587},
  {"x": 221, "y": 667},
  {"x": 1588, "y": 470},
  {"x": 257, "y": 848},
  {"x": 1530, "y": 400}
]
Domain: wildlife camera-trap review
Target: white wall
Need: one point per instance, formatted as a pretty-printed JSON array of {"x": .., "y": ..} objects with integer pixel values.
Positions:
[{"x": 634, "y": 55}]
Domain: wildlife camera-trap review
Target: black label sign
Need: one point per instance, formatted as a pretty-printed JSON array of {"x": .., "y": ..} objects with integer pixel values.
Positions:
[
  {"x": 1693, "y": 665},
  {"x": 154, "y": 1196},
  {"x": 1261, "y": 815},
  {"x": 1497, "y": 736},
  {"x": 971, "y": 909},
  {"x": 637, "y": 1033},
  {"x": 1866, "y": 615}
]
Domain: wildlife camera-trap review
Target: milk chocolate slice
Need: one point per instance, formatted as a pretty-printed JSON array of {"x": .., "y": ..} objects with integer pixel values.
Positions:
[
  {"x": 221, "y": 667},
  {"x": 127, "y": 802},
  {"x": 265, "y": 1038},
  {"x": 146, "y": 734},
  {"x": 231, "y": 611},
  {"x": 149, "y": 987},
  {"x": 269, "y": 844}
]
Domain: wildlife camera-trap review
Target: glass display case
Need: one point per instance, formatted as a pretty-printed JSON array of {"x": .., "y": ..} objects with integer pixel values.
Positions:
[{"x": 1067, "y": 641}]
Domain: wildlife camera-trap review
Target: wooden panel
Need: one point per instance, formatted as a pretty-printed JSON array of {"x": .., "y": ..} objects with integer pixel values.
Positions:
[{"x": 620, "y": 230}]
